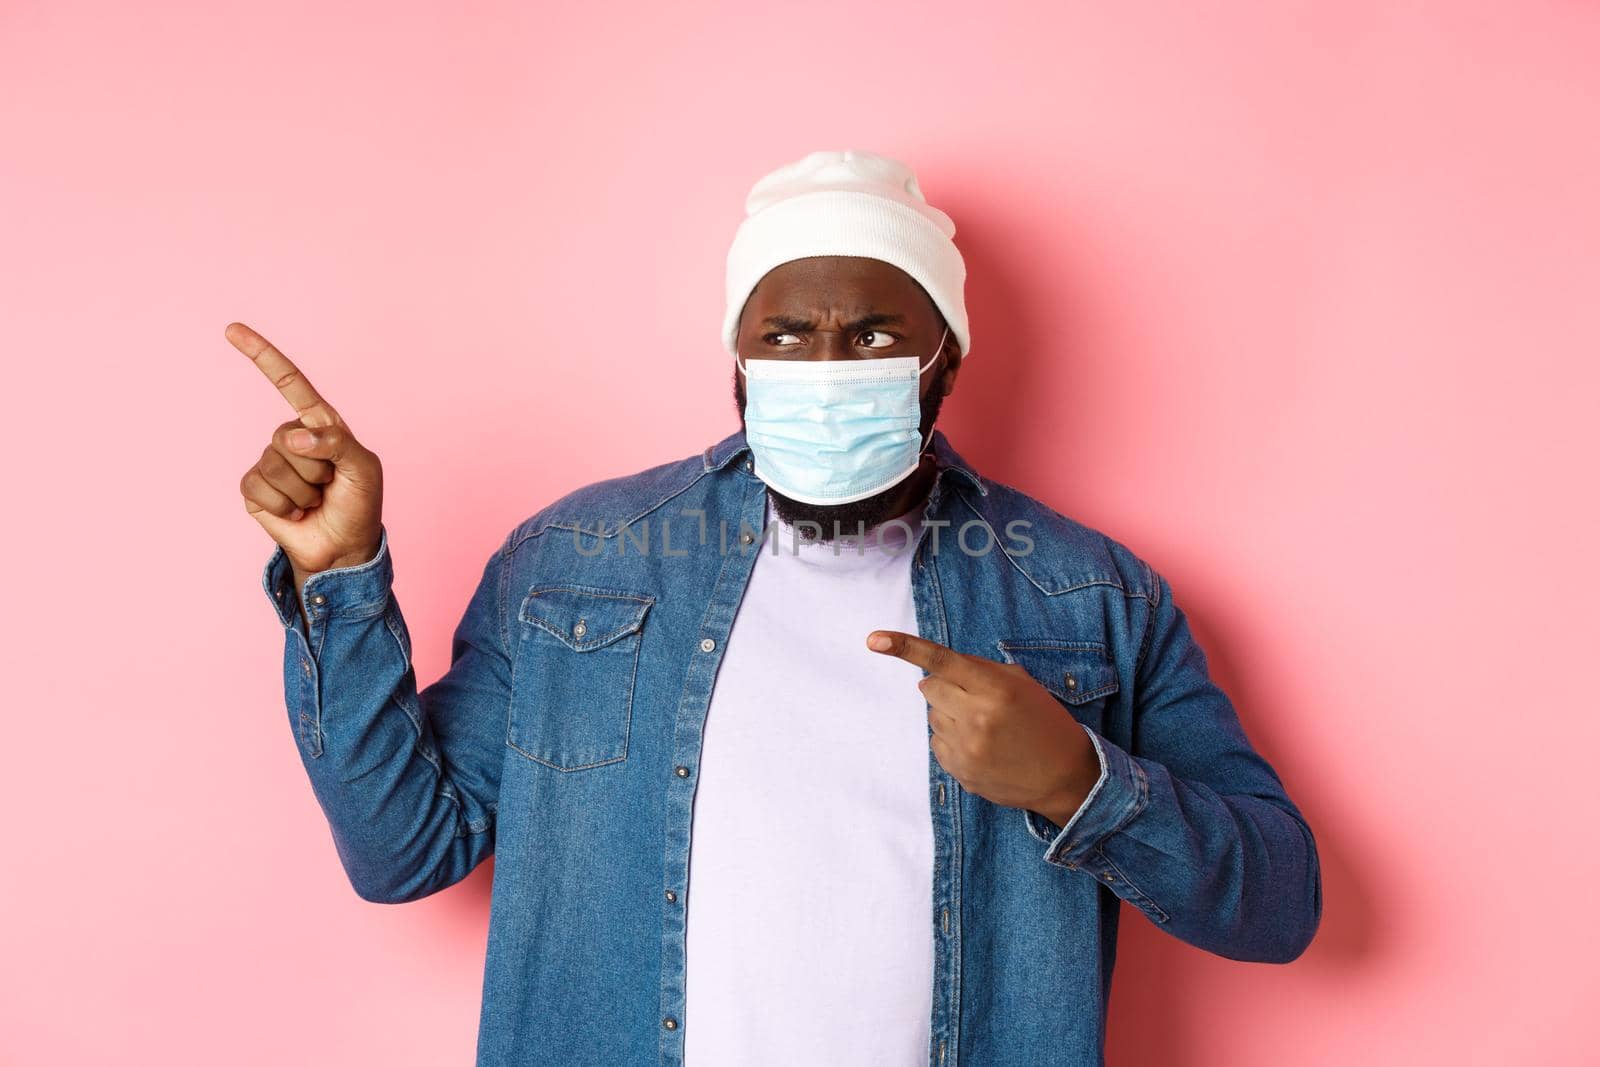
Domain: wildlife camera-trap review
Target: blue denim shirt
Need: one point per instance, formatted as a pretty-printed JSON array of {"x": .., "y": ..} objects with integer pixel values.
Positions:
[{"x": 565, "y": 740}]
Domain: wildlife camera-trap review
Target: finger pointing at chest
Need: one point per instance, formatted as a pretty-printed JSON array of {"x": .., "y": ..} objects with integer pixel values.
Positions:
[{"x": 939, "y": 660}]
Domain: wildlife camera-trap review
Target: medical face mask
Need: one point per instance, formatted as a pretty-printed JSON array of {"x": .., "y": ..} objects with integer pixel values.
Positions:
[{"x": 834, "y": 431}]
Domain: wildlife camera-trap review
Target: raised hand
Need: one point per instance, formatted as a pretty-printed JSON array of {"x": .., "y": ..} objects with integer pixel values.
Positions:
[
  {"x": 996, "y": 730},
  {"x": 315, "y": 490}
]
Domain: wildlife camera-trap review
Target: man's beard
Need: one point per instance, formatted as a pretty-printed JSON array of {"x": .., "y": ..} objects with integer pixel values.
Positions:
[{"x": 850, "y": 518}]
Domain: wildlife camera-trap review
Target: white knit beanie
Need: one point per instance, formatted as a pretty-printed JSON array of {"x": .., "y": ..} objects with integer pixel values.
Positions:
[{"x": 846, "y": 203}]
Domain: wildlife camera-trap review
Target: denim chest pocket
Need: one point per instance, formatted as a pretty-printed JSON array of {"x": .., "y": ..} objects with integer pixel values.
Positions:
[
  {"x": 1080, "y": 674},
  {"x": 573, "y": 676}
]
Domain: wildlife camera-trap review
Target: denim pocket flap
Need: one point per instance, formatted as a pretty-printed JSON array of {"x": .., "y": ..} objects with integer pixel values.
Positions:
[
  {"x": 583, "y": 618},
  {"x": 1075, "y": 671}
]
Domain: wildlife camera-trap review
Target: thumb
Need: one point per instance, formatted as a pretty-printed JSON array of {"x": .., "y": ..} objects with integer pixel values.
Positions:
[{"x": 337, "y": 445}]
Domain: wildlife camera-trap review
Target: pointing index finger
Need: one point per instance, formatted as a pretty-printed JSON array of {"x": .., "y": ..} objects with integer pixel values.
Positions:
[
  {"x": 931, "y": 656},
  {"x": 281, "y": 372}
]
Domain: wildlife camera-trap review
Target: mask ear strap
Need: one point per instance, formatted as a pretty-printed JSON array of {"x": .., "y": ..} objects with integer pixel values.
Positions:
[{"x": 936, "y": 350}]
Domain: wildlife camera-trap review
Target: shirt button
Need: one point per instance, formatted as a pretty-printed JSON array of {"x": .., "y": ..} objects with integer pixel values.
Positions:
[
  {"x": 670, "y": 1023},
  {"x": 278, "y": 594},
  {"x": 305, "y": 665},
  {"x": 319, "y": 599},
  {"x": 1070, "y": 682},
  {"x": 683, "y": 772},
  {"x": 745, "y": 538},
  {"x": 706, "y": 644},
  {"x": 580, "y": 628},
  {"x": 748, "y": 465},
  {"x": 671, "y": 896},
  {"x": 1108, "y": 876}
]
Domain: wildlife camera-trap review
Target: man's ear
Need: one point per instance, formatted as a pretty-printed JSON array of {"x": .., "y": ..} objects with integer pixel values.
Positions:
[
  {"x": 738, "y": 323},
  {"x": 952, "y": 366}
]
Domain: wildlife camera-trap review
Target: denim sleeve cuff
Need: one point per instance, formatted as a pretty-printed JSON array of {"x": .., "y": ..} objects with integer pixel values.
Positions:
[
  {"x": 1118, "y": 795},
  {"x": 357, "y": 591}
]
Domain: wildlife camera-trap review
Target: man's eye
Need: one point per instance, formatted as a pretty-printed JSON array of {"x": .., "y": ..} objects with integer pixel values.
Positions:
[
  {"x": 770, "y": 337},
  {"x": 888, "y": 338}
]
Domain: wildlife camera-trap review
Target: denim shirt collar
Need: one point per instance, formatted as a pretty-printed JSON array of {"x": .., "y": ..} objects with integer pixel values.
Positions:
[{"x": 950, "y": 462}]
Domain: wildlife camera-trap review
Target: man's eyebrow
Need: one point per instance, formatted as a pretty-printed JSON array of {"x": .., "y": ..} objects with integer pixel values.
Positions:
[{"x": 793, "y": 322}]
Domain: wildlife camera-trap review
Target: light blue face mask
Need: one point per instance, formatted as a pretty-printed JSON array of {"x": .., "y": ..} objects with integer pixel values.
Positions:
[{"x": 836, "y": 430}]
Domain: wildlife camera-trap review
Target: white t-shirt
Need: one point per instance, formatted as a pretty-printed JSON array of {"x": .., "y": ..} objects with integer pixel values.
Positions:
[{"x": 809, "y": 934}]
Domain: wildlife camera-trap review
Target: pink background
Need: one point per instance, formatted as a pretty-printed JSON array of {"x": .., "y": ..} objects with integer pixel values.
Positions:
[{"x": 1297, "y": 300}]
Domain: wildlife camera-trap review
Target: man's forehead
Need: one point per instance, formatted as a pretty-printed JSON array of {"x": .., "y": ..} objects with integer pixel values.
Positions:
[
  {"x": 884, "y": 289},
  {"x": 853, "y": 320}
]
